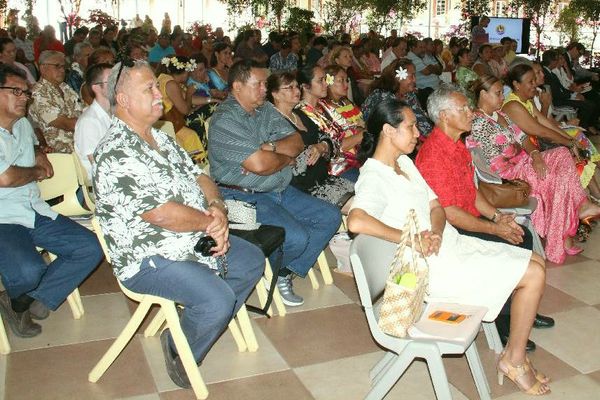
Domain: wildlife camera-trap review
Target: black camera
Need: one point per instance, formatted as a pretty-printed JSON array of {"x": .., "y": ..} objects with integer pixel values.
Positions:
[{"x": 204, "y": 244}]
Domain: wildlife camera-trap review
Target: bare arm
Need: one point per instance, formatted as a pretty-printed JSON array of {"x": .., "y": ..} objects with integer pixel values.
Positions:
[
  {"x": 361, "y": 222},
  {"x": 18, "y": 176},
  {"x": 177, "y": 217},
  {"x": 438, "y": 217},
  {"x": 64, "y": 123},
  {"x": 290, "y": 146},
  {"x": 467, "y": 221},
  {"x": 352, "y": 141},
  {"x": 530, "y": 125},
  {"x": 182, "y": 104},
  {"x": 264, "y": 162}
]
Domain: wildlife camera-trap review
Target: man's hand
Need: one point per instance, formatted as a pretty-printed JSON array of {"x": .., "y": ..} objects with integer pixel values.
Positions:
[
  {"x": 46, "y": 168},
  {"x": 506, "y": 227},
  {"x": 218, "y": 229}
]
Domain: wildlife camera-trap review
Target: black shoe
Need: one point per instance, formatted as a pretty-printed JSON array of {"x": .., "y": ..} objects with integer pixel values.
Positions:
[
  {"x": 541, "y": 321},
  {"x": 20, "y": 323},
  {"x": 173, "y": 362},
  {"x": 529, "y": 347}
]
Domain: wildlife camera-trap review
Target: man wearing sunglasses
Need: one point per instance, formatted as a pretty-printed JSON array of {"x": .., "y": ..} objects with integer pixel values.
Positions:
[{"x": 27, "y": 222}]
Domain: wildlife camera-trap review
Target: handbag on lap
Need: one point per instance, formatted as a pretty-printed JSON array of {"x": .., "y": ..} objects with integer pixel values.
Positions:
[
  {"x": 402, "y": 302},
  {"x": 508, "y": 194}
]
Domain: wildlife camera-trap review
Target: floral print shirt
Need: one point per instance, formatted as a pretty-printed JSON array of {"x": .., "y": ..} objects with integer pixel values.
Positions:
[
  {"x": 130, "y": 178},
  {"x": 48, "y": 104}
]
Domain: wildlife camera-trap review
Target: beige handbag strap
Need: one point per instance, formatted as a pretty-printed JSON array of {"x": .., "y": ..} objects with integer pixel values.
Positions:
[{"x": 409, "y": 232}]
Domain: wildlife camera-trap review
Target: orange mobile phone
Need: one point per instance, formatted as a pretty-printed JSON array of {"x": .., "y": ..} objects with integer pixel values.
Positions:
[{"x": 448, "y": 317}]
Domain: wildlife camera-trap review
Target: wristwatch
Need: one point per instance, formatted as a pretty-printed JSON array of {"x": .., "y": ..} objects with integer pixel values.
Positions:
[
  {"x": 497, "y": 213},
  {"x": 221, "y": 202}
]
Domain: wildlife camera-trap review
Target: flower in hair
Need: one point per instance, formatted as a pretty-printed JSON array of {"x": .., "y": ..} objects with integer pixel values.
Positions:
[
  {"x": 191, "y": 65},
  {"x": 329, "y": 79},
  {"x": 187, "y": 66},
  {"x": 401, "y": 73}
]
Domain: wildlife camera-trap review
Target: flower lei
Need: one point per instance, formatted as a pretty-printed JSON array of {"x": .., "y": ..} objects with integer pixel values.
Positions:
[
  {"x": 401, "y": 73},
  {"x": 329, "y": 79},
  {"x": 188, "y": 66}
]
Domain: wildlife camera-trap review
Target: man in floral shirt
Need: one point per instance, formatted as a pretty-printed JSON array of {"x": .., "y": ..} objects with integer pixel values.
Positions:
[
  {"x": 55, "y": 107},
  {"x": 154, "y": 205}
]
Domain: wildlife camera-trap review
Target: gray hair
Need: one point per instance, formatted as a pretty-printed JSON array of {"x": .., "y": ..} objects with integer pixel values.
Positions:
[
  {"x": 115, "y": 87},
  {"x": 49, "y": 54},
  {"x": 441, "y": 99},
  {"x": 79, "y": 47}
]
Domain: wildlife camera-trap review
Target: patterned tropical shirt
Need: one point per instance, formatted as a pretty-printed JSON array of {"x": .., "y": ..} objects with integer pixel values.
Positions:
[
  {"x": 47, "y": 105},
  {"x": 131, "y": 178}
]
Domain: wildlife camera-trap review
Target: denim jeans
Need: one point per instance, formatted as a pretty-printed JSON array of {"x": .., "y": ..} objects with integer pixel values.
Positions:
[
  {"x": 309, "y": 223},
  {"x": 209, "y": 301},
  {"x": 23, "y": 269}
]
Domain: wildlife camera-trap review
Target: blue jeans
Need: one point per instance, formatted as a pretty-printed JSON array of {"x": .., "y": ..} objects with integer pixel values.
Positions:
[
  {"x": 309, "y": 223},
  {"x": 23, "y": 269},
  {"x": 209, "y": 301}
]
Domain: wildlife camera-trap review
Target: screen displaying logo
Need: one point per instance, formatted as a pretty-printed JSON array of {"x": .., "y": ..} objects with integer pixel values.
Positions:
[{"x": 500, "y": 29}]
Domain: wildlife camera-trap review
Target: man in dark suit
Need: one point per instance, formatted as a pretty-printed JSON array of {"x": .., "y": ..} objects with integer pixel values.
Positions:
[{"x": 587, "y": 111}]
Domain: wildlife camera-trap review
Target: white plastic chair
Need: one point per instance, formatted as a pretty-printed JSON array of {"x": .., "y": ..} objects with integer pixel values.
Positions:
[
  {"x": 168, "y": 313},
  {"x": 84, "y": 183},
  {"x": 4, "y": 344},
  {"x": 370, "y": 258}
]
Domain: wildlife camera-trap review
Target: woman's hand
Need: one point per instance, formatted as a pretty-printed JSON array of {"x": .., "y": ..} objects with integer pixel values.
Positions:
[
  {"x": 429, "y": 243},
  {"x": 315, "y": 151},
  {"x": 539, "y": 166}
]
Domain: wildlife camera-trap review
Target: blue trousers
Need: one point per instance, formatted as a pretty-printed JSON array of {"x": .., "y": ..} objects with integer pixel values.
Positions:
[
  {"x": 23, "y": 269},
  {"x": 309, "y": 223},
  {"x": 209, "y": 301}
]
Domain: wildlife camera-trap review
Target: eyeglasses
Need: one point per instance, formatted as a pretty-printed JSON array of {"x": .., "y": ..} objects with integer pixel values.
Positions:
[
  {"x": 57, "y": 66},
  {"x": 126, "y": 62},
  {"x": 465, "y": 109},
  {"x": 17, "y": 91},
  {"x": 290, "y": 87}
]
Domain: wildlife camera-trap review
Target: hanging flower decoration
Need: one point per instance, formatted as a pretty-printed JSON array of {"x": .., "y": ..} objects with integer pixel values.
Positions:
[
  {"x": 329, "y": 79},
  {"x": 401, "y": 73},
  {"x": 187, "y": 66}
]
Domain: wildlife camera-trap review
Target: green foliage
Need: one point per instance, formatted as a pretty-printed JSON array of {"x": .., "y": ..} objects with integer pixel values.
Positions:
[
  {"x": 468, "y": 9},
  {"x": 568, "y": 23},
  {"x": 389, "y": 14},
  {"x": 300, "y": 20},
  {"x": 540, "y": 12},
  {"x": 338, "y": 13}
]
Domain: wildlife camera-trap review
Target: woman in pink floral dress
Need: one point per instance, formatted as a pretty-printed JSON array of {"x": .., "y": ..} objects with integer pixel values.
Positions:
[{"x": 554, "y": 181}]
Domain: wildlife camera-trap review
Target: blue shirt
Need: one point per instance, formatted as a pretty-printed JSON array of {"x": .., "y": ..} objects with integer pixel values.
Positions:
[
  {"x": 18, "y": 205},
  {"x": 423, "y": 81},
  {"x": 234, "y": 135},
  {"x": 157, "y": 53}
]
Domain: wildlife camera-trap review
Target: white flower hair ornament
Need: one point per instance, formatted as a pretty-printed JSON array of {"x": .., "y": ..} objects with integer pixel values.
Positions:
[
  {"x": 401, "y": 73},
  {"x": 329, "y": 79},
  {"x": 187, "y": 66}
]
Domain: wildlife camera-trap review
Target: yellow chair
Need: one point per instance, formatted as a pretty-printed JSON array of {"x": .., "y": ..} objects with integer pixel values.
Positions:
[
  {"x": 4, "y": 345},
  {"x": 168, "y": 312},
  {"x": 84, "y": 183},
  {"x": 167, "y": 127},
  {"x": 63, "y": 183}
]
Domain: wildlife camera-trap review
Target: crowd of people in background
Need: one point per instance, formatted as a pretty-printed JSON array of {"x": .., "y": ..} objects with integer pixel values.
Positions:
[{"x": 296, "y": 124}]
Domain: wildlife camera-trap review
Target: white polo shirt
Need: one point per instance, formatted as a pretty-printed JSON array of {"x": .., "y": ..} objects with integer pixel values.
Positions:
[{"x": 91, "y": 127}]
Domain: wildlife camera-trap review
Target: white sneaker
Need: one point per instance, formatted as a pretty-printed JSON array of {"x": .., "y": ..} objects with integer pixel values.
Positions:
[{"x": 286, "y": 290}]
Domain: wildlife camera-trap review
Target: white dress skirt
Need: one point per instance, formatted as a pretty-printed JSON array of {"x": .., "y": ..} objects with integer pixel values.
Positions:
[{"x": 467, "y": 270}]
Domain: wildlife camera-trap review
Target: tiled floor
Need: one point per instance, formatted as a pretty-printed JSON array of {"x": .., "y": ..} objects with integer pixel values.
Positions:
[{"x": 322, "y": 350}]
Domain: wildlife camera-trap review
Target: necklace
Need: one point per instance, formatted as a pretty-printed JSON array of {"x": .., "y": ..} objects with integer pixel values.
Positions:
[
  {"x": 292, "y": 117},
  {"x": 494, "y": 115}
]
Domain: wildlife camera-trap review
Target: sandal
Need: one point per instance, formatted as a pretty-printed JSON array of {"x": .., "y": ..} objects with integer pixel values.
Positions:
[
  {"x": 515, "y": 373},
  {"x": 543, "y": 378}
]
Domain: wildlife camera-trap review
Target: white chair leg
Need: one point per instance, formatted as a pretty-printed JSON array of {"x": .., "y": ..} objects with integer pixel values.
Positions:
[
  {"x": 438, "y": 374},
  {"x": 478, "y": 374},
  {"x": 119, "y": 344},
  {"x": 4, "y": 344},
  {"x": 183, "y": 349},
  {"x": 247, "y": 330},
  {"x": 237, "y": 336},
  {"x": 74, "y": 300},
  {"x": 276, "y": 295},
  {"x": 313, "y": 279},
  {"x": 389, "y": 375},
  {"x": 324, "y": 267},
  {"x": 154, "y": 326},
  {"x": 387, "y": 358},
  {"x": 492, "y": 337}
]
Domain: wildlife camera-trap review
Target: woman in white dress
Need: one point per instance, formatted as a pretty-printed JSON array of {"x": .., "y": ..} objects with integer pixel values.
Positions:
[{"x": 461, "y": 269}]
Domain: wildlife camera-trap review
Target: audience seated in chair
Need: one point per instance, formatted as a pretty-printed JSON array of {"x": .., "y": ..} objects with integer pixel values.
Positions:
[
  {"x": 32, "y": 287},
  {"x": 153, "y": 210},
  {"x": 251, "y": 151},
  {"x": 462, "y": 269},
  {"x": 55, "y": 106}
]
